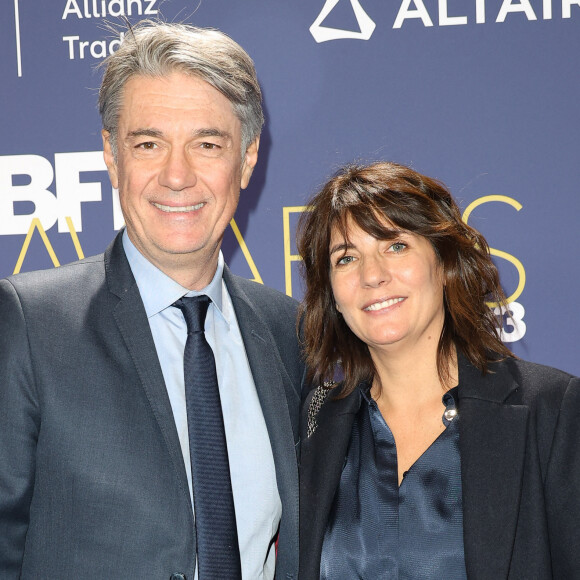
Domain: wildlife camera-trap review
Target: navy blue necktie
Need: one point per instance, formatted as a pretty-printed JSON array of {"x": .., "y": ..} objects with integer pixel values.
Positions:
[{"x": 218, "y": 554}]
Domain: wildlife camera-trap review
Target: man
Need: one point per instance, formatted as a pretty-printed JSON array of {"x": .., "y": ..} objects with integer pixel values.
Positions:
[{"x": 96, "y": 478}]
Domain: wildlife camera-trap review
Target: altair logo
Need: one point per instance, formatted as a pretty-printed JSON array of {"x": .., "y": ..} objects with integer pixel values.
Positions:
[
  {"x": 324, "y": 33},
  {"x": 474, "y": 11}
]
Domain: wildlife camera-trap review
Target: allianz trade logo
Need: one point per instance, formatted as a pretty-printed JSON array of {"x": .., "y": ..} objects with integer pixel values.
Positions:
[{"x": 416, "y": 9}]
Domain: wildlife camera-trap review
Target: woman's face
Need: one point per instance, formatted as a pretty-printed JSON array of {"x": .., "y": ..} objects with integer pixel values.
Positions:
[{"x": 390, "y": 292}]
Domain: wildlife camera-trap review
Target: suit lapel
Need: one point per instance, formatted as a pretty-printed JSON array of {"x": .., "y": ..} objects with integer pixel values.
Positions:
[
  {"x": 492, "y": 445},
  {"x": 321, "y": 463},
  {"x": 274, "y": 389},
  {"x": 270, "y": 377},
  {"x": 131, "y": 319}
]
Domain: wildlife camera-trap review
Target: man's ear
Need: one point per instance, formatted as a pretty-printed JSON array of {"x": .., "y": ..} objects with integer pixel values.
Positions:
[
  {"x": 110, "y": 159},
  {"x": 250, "y": 160}
]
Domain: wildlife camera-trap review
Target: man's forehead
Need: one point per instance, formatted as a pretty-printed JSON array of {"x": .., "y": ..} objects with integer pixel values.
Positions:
[
  {"x": 174, "y": 85},
  {"x": 177, "y": 96}
]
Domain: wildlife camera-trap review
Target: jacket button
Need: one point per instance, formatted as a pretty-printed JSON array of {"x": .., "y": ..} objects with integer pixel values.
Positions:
[{"x": 177, "y": 577}]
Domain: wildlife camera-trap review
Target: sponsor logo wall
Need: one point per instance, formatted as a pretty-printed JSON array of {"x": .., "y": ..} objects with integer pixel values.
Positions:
[{"x": 481, "y": 94}]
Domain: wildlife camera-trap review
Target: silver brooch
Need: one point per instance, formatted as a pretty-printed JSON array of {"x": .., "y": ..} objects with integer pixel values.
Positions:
[{"x": 450, "y": 414}]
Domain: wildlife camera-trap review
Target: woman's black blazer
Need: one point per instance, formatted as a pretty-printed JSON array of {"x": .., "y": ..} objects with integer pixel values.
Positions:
[{"x": 520, "y": 471}]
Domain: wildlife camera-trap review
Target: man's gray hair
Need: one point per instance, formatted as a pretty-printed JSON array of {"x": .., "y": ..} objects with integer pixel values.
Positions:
[{"x": 157, "y": 49}]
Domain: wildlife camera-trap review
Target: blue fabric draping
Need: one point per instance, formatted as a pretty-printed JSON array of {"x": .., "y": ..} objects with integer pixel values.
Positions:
[{"x": 378, "y": 530}]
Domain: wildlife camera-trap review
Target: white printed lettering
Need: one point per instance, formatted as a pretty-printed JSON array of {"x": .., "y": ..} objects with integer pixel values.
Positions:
[
  {"x": 20, "y": 204},
  {"x": 72, "y": 8},
  {"x": 406, "y": 12},
  {"x": 71, "y": 48},
  {"x": 513, "y": 318},
  {"x": 567, "y": 7},
  {"x": 445, "y": 19},
  {"x": 121, "y": 8},
  {"x": 36, "y": 192},
  {"x": 82, "y": 46},
  {"x": 521, "y": 6},
  {"x": 69, "y": 189},
  {"x": 149, "y": 10},
  {"x": 130, "y": 7},
  {"x": 118, "y": 218},
  {"x": 480, "y": 11},
  {"x": 99, "y": 49}
]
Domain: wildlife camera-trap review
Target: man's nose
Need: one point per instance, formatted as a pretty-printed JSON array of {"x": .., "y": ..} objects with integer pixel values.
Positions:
[{"x": 178, "y": 171}]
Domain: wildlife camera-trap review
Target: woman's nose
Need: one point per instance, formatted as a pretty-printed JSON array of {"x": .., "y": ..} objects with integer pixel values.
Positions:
[{"x": 374, "y": 271}]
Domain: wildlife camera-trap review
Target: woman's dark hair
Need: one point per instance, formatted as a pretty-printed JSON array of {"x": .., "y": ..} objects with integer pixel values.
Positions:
[{"x": 370, "y": 196}]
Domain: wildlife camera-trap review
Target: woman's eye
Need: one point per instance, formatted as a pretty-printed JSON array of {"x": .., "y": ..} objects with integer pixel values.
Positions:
[
  {"x": 344, "y": 260},
  {"x": 398, "y": 247}
]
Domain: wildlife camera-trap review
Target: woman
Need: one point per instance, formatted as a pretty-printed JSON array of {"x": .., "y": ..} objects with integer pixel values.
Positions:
[{"x": 439, "y": 455}]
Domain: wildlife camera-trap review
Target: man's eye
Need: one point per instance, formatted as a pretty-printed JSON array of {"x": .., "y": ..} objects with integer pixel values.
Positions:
[
  {"x": 148, "y": 145},
  {"x": 209, "y": 146}
]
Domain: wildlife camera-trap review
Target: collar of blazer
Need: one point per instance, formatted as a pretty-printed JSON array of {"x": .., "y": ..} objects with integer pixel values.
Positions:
[
  {"x": 494, "y": 387},
  {"x": 492, "y": 446},
  {"x": 493, "y": 443},
  {"x": 131, "y": 319},
  {"x": 279, "y": 399},
  {"x": 118, "y": 272}
]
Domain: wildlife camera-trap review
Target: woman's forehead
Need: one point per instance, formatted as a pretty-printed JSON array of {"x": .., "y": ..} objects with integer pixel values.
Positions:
[{"x": 379, "y": 227}]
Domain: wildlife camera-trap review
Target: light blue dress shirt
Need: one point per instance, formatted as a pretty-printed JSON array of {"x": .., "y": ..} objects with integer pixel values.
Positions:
[{"x": 256, "y": 499}]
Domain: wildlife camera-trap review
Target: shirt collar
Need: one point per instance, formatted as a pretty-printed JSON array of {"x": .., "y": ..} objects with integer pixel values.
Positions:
[
  {"x": 365, "y": 389},
  {"x": 449, "y": 399},
  {"x": 159, "y": 291}
]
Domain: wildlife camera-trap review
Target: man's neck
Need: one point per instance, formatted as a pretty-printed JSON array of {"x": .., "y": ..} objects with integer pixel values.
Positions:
[
  {"x": 194, "y": 276},
  {"x": 193, "y": 271}
]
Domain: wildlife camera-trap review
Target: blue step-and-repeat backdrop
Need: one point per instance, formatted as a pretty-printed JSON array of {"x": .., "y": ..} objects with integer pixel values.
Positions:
[{"x": 481, "y": 94}]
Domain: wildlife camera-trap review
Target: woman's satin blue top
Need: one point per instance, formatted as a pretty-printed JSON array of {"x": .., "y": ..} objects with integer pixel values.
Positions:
[{"x": 378, "y": 530}]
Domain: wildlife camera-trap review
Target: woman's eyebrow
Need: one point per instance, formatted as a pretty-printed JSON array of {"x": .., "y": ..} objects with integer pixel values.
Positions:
[{"x": 342, "y": 247}]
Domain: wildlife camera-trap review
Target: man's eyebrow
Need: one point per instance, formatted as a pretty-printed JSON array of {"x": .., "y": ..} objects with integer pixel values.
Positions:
[
  {"x": 145, "y": 133},
  {"x": 206, "y": 132},
  {"x": 212, "y": 132}
]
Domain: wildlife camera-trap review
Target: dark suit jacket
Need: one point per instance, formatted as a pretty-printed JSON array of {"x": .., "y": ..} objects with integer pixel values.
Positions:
[
  {"x": 92, "y": 478},
  {"x": 520, "y": 471}
]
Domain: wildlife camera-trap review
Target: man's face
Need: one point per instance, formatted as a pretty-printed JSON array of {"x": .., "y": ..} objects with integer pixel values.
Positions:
[{"x": 179, "y": 171}]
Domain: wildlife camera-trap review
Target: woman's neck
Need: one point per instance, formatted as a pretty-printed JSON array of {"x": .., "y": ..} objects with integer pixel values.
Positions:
[{"x": 410, "y": 378}]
